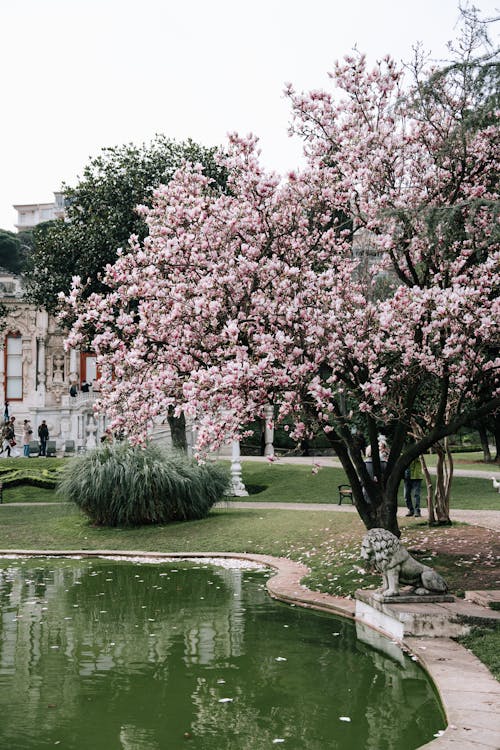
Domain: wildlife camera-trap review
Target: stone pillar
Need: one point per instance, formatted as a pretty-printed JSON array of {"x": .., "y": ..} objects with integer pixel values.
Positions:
[
  {"x": 91, "y": 429},
  {"x": 41, "y": 377},
  {"x": 73, "y": 375},
  {"x": 2, "y": 376},
  {"x": 65, "y": 424},
  {"x": 237, "y": 486},
  {"x": 269, "y": 430},
  {"x": 81, "y": 429}
]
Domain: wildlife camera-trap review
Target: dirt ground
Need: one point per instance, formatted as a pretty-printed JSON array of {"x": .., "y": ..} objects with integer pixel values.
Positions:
[{"x": 468, "y": 557}]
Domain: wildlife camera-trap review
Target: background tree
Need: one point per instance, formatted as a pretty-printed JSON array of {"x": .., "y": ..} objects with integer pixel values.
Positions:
[
  {"x": 13, "y": 248},
  {"x": 101, "y": 216},
  {"x": 11, "y": 254},
  {"x": 239, "y": 299},
  {"x": 486, "y": 427}
]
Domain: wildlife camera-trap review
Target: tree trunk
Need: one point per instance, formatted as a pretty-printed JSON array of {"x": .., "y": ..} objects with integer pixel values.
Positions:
[
  {"x": 485, "y": 443},
  {"x": 378, "y": 509},
  {"x": 376, "y": 505},
  {"x": 386, "y": 515},
  {"x": 430, "y": 491},
  {"x": 178, "y": 432},
  {"x": 496, "y": 433},
  {"x": 444, "y": 476}
]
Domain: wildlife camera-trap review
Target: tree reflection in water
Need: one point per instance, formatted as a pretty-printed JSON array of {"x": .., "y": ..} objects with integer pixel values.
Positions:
[{"x": 102, "y": 654}]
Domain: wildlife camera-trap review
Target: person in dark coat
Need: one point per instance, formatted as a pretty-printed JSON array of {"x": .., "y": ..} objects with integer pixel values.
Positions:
[{"x": 43, "y": 434}]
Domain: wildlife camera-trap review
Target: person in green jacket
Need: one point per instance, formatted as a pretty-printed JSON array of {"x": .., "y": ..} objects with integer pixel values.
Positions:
[{"x": 413, "y": 482}]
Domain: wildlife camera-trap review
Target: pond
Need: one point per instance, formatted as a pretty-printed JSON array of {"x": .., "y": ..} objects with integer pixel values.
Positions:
[{"x": 100, "y": 654}]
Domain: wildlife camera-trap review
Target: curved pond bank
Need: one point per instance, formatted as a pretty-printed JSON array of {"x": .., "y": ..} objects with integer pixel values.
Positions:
[{"x": 469, "y": 693}]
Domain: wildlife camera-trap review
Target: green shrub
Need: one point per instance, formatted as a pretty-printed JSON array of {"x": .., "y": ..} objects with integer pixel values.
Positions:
[
  {"x": 25, "y": 473},
  {"x": 125, "y": 485}
]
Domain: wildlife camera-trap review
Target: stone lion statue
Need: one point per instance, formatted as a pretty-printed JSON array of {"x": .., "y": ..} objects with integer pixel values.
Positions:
[{"x": 386, "y": 553}]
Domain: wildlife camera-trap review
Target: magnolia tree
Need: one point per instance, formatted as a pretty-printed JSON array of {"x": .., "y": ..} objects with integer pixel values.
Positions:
[{"x": 252, "y": 297}]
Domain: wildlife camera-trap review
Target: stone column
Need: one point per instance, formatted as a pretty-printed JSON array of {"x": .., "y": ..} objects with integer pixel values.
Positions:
[
  {"x": 81, "y": 428},
  {"x": 91, "y": 429},
  {"x": 2, "y": 376},
  {"x": 73, "y": 375},
  {"x": 269, "y": 430},
  {"x": 237, "y": 486},
  {"x": 41, "y": 372}
]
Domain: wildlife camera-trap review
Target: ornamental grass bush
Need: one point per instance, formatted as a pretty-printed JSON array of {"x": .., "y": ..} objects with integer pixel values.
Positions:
[{"x": 120, "y": 484}]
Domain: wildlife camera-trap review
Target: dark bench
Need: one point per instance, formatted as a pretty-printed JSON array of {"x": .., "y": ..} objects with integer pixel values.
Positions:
[
  {"x": 345, "y": 493},
  {"x": 51, "y": 447},
  {"x": 69, "y": 448},
  {"x": 34, "y": 448}
]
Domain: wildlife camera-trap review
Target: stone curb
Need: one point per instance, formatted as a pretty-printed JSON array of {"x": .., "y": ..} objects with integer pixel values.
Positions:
[{"x": 469, "y": 693}]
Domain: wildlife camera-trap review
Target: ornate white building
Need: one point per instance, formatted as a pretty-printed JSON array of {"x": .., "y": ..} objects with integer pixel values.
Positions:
[{"x": 36, "y": 373}]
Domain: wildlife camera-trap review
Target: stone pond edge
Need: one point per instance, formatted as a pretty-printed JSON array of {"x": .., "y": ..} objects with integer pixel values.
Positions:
[{"x": 469, "y": 693}]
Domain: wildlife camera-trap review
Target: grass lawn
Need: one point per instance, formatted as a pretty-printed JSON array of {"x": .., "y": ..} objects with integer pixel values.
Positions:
[
  {"x": 465, "y": 460},
  {"x": 295, "y": 483},
  {"x": 485, "y": 644},
  {"x": 33, "y": 463},
  {"x": 299, "y": 535},
  {"x": 266, "y": 482},
  {"x": 291, "y": 483},
  {"x": 328, "y": 542},
  {"x": 25, "y": 494}
]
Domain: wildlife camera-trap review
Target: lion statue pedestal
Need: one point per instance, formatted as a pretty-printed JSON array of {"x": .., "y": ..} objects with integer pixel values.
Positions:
[{"x": 385, "y": 552}]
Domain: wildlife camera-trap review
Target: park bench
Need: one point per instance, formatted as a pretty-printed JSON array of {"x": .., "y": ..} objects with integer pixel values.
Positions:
[
  {"x": 345, "y": 493},
  {"x": 51, "y": 448},
  {"x": 34, "y": 448},
  {"x": 69, "y": 448}
]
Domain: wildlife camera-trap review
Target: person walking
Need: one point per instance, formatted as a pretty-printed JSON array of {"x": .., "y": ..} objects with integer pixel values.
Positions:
[
  {"x": 15, "y": 452},
  {"x": 7, "y": 437},
  {"x": 27, "y": 433},
  {"x": 413, "y": 481},
  {"x": 43, "y": 434}
]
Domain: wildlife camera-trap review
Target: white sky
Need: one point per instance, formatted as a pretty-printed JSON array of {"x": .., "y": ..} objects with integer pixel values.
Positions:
[{"x": 79, "y": 75}]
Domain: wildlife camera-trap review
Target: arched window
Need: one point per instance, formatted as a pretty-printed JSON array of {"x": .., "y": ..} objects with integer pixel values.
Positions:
[{"x": 13, "y": 352}]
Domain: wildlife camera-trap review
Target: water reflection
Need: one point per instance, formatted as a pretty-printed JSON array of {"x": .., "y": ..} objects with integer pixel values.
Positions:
[{"x": 100, "y": 654}]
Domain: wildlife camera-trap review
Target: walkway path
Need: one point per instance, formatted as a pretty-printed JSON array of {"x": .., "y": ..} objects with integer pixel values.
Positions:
[
  {"x": 486, "y": 473},
  {"x": 489, "y": 519}
]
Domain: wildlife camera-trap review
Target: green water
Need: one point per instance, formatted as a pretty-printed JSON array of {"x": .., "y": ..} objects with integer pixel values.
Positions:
[{"x": 100, "y": 654}]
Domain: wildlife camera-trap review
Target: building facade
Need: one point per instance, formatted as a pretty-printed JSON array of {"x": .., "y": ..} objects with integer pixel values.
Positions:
[
  {"x": 31, "y": 214},
  {"x": 36, "y": 373}
]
